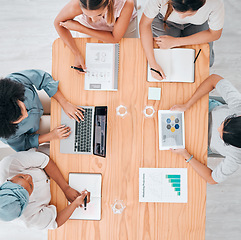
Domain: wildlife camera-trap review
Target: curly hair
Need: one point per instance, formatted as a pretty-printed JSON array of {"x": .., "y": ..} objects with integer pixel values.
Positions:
[{"x": 10, "y": 93}]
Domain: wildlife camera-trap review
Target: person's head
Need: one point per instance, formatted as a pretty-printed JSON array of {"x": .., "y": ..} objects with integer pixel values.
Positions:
[
  {"x": 14, "y": 199},
  {"x": 185, "y": 8},
  {"x": 96, "y": 9},
  {"x": 12, "y": 108},
  {"x": 230, "y": 131}
]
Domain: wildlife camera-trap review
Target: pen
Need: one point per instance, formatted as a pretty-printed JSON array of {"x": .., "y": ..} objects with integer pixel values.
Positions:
[
  {"x": 85, "y": 203},
  {"x": 197, "y": 55},
  {"x": 79, "y": 69},
  {"x": 154, "y": 70}
]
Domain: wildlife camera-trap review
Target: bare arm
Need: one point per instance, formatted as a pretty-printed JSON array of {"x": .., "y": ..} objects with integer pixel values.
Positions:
[
  {"x": 120, "y": 26},
  {"x": 53, "y": 172},
  {"x": 200, "y": 37},
  {"x": 69, "y": 12},
  {"x": 201, "y": 169},
  {"x": 207, "y": 86},
  {"x": 118, "y": 32},
  {"x": 65, "y": 214},
  {"x": 147, "y": 43},
  {"x": 165, "y": 42}
]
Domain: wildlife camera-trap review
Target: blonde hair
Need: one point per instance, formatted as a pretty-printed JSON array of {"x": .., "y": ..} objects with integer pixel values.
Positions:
[{"x": 97, "y": 4}]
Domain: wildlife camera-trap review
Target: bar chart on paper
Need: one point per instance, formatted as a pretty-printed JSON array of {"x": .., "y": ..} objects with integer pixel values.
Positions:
[
  {"x": 175, "y": 181},
  {"x": 163, "y": 185}
]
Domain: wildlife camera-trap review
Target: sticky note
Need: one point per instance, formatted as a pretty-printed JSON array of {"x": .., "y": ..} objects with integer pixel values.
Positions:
[{"x": 154, "y": 93}]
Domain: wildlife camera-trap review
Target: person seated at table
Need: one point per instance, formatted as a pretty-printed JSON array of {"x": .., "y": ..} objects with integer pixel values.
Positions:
[
  {"x": 21, "y": 109},
  {"x": 175, "y": 23},
  {"x": 224, "y": 129},
  {"x": 106, "y": 20},
  {"x": 25, "y": 191}
]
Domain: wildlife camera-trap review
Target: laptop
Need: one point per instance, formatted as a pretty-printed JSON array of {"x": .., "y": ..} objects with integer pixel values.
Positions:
[{"x": 88, "y": 136}]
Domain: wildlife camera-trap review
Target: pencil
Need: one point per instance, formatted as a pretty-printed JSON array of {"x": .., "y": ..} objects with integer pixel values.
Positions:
[
  {"x": 197, "y": 55},
  {"x": 154, "y": 70},
  {"x": 85, "y": 203},
  {"x": 79, "y": 69}
]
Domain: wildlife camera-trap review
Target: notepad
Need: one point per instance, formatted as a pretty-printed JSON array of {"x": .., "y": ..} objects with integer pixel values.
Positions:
[
  {"x": 171, "y": 129},
  {"x": 92, "y": 183},
  {"x": 102, "y": 63},
  {"x": 154, "y": 93},
  {"x": 177, "y": 64},
  {"x": 163, "y": 185}
]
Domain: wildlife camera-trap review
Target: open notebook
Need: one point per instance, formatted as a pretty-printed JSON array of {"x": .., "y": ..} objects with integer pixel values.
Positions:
[
  {"x": 91, "y": 182},
  {"x": 177, "y": 64},
  {"x": 102, "y": 62}
]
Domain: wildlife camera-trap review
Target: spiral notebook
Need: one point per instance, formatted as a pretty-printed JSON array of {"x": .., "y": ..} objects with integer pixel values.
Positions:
[
  {"x": 177, "y": 64},
  {"x": 102, "y": 62},
  {"x": 92, "y": 183}
]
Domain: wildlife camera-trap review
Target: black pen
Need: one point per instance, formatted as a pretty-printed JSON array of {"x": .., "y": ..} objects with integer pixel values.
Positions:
[
  {"x": 85, "y": 202},
  {"x": 79, "y": 69},
  {"x": 154, "y": 70},
  {"x": 197, "y": 55}
]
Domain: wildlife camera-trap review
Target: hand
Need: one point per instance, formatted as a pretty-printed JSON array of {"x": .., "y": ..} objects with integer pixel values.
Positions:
[
  {"x": 182, "y": 151},
  {"x": 71, "y": 194},
  {"x": 156, "y": 75},
  {"x": 73, "y": 111},
  {"x": 179, "y": 107},
  {"x": 166, "y": 42},
  {"x": 71, "y": 25},
  {"x": 79, "y": 201},
  {"x": 79, "y": 62},
  {"x": 60, "y": 132}
]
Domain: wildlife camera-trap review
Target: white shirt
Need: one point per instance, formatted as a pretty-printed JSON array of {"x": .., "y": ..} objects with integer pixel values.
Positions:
[
  {"x": 212, "y": 11},
  {"x": 38, "y": 213},
  {"x": 232, "y": 154}
]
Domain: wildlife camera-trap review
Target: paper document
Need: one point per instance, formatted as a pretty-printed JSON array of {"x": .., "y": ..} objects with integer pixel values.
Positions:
[
  {"x": 163, "y": 185},
  {"x": 177, "y": 64},
  {"x": 92, "y": 183},
  {"x": 171, "y": 129},
  {"x": 102, "y": 62}
]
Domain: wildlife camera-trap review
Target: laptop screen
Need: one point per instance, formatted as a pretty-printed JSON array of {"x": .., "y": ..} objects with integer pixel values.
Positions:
[{"x": 100, "y": 131}]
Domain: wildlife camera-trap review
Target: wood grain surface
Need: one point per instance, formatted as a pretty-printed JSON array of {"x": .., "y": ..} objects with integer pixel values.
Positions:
[{"x": 132, "y": 142}]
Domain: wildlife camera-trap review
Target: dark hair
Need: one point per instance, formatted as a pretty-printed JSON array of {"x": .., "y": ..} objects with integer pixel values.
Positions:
[
  {"x": 10, "y": 92},
  {"x": 182, "y": 6},
  {"x": 232, "y": 131},
  {"x": 97, "y": 4}
]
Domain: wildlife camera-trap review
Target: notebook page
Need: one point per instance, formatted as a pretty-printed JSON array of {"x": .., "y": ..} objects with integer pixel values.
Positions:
[
  {"x": 91, "y": 182},
  {"x": 182, "y": 65},
  {"x": 163, "y": 58}
]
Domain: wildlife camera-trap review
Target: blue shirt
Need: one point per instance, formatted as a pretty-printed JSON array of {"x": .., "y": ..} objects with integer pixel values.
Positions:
[{"x": 25, "y": 137}]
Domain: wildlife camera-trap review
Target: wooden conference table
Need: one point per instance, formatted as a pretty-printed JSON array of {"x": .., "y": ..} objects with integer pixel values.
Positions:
[{"x": 132, "y": 143}]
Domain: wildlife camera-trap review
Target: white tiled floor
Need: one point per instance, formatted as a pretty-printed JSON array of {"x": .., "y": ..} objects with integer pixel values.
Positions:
[{"x": 27, "y": 34}]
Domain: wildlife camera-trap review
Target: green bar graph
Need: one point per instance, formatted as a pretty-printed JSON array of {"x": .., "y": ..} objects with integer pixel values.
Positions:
[
  {"x": 175, "y": 181},
  {"x": 176, "y": 185},
  {"x": 173, "y": 176}
]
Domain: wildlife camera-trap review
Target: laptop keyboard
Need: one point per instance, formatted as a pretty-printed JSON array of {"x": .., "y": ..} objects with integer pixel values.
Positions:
[{"x": 83, "y": 132}]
